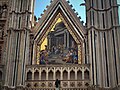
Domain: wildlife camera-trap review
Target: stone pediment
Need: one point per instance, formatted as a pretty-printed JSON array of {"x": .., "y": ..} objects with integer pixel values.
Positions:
[{"x": 59, "y": 9}]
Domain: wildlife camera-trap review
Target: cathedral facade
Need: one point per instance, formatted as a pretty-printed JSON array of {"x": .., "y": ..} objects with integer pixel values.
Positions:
[{"x": 83, "y": 57}]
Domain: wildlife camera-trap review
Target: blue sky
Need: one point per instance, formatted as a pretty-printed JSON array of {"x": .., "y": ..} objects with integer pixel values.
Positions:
[
  {"x": 40, "y": 5},
  {"x": 119, "y": 10}
]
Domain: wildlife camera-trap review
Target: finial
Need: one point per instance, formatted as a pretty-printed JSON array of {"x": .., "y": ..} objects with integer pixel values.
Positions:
[
  {"x": 68, "y": 1},
  {"x": 44, "y": 10},
  {"x": 74, "y": 10},
  {"x": 79, "y": 17},
  {"x": 41, "y": 14},
  {"x": 51, "y": 1},
  {"x": 38, "y": 18},
  {"x": 82, "y": 22},
  {"x": 71, "y": 5},
  {"x": 76, "y": 13},
  {"x": 47, "y": 6}
]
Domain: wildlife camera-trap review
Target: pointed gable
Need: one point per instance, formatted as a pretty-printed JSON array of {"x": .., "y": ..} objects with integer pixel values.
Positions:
[{"x": 59, "y": 9}]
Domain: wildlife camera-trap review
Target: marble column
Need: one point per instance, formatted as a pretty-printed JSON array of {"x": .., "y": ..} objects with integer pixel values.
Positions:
[
  {"x": 79, "y": 54},
  {"x": 38, "y": 55},
  {"x": 49, "y": 42},
  {"x": 68, "y": 38},
  {"x": 65, "y": 41},
  {"x": 47, "y": 74},
  {"x": 90, "y": 56},
  {"x": 54, "y": 74},
  {"x": 33, "y": 75},
  {"x": 34, "y": 53},
  {"x": 61, "y": 75},
  {"x": 83, "y": 53},
  {"x": 8, "y": 61},
  {"x": 75, "y": 74},
  {"x": 68, "y": 76},
  {"x": 40, "y": 74}
]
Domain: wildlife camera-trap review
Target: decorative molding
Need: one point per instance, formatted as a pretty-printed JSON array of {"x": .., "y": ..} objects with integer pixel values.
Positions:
[
  {"x": 106, "y": 29},
  {"x": 102, "y": 9}
]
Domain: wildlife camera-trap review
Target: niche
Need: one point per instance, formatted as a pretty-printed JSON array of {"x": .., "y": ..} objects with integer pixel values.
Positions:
[
  {"x": 43, "y": 75},
  {"x": 29, "y": 75},
  {"x": 50, "y": 75},
  {"x": 58, "y": 75},
  {"x": 72, "y": 75},
  {"x": 36, "y": 75},
  {"x": 86, "y": 73},
  {"x": 79, "y": 75},
  {"x": 65, "y": 75}
]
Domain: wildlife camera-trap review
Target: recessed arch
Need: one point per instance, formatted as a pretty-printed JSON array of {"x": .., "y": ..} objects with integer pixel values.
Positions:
[
  {"x": 86, "y": 74},
  {"x": 43, "y": 75},
  {"x": 75, "y": 28},
  {"x": 72, "y": 75},
  {"x": 58, "y": 73},
  {"x": 65, "y": 75},
  {"x": 79, "y": 75},
  {"x": 50, "y": 75},
  {"x": 36, "y": 75},
  {"x": 29, "y": 75}
]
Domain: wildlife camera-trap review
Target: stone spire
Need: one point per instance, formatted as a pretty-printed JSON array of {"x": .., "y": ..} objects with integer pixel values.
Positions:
[
  {"x": 20, "y": 14},
  {"x": 103, "y": 37}
]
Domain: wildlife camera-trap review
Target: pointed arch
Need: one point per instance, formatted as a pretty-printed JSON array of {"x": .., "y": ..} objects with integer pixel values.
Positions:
[
  {"x": 36, "y": 75},
  {"x": 86, "y": 74},
  {"x": 65, "y": 75},
  {"x": 72, "y": 75},
  {"x": 29, "y": 75},
  {"x": 43, "y": 75},
  {"x": 59, "y": 9},
  {"x": 58, "y": 74},
  {"x": 79, "y": 75},
  {"x": 50, "y": 75}
]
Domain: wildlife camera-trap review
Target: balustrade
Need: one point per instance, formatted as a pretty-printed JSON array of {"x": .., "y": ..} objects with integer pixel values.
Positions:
[
  {"x": 71, "y": 76},
  {"x": 65, "y": 84}
]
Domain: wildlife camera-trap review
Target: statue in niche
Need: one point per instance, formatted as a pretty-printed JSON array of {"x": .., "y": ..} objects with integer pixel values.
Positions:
[
  {"x": 4, "y": 11},
  {"x": 1, "y": 31}
]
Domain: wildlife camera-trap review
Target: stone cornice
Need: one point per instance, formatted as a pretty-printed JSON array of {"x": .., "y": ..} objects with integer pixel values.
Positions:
[
  {"x": 62, "y": 65},
  {"x": 21, "y": 29},
  {"x": 105, "y": 29},
  {"x": 18, "y": 12},
  {"x": 101, "y": 9}
]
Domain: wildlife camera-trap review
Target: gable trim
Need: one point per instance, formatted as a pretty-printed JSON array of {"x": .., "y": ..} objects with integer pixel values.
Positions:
[{"x": 52, "y": 14}]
